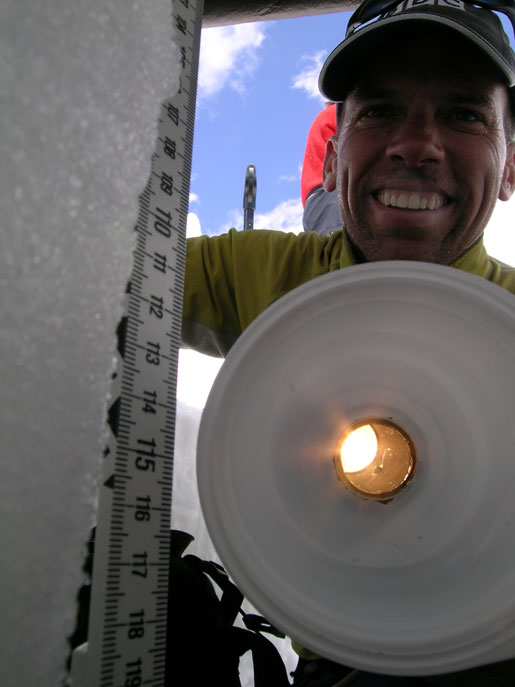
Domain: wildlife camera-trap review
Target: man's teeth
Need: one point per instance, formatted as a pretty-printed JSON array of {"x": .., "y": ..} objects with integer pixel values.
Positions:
[{"x": 411, "y": 201}]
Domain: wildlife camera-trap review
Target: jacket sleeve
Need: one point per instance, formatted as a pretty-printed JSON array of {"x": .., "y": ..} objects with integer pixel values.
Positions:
[{"x": 232, "y": 278}]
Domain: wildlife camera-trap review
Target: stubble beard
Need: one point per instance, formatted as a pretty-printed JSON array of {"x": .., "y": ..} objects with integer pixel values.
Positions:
[{"x": 400, "y": 245}]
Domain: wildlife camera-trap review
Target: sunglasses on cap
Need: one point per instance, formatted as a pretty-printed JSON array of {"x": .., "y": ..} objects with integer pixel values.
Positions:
[{"x": 371, "y": 9}]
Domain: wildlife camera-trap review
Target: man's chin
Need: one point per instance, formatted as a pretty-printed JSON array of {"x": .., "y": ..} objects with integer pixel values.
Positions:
[
  {"x": 418, "y": 249},
  {"x": 409, "y": 253}
]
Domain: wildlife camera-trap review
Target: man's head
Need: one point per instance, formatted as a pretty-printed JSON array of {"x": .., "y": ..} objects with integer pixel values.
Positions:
[{"x": 422, "y": 151}]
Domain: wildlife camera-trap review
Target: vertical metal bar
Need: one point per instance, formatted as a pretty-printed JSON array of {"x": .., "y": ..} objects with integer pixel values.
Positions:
[{"x": 249, "y": 197}]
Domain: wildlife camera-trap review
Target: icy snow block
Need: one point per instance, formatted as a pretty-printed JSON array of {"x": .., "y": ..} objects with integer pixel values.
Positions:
[{"x": 81, "y": 87}]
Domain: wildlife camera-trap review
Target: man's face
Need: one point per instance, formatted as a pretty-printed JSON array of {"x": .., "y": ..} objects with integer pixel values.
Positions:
[{"x": 421, "y": 155}]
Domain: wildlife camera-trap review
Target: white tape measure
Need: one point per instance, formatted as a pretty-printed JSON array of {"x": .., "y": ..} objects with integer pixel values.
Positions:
[{"x": 128, "y": 613}]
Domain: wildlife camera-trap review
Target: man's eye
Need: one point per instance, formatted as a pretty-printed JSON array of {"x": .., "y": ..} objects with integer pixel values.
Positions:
[
  {"x": 375, "y": 111},
  {"x": 466, "y": 115}
]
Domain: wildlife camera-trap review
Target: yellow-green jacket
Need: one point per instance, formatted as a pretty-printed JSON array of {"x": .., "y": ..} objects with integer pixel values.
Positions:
[{"x": 232, "y": 278}]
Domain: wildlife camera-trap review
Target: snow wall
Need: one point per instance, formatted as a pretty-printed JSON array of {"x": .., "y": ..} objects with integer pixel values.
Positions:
[{"x": 81, "y": 87}]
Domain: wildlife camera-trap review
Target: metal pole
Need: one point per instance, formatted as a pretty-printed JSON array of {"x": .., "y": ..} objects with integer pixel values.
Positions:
[{"x": 249, "y": 197}]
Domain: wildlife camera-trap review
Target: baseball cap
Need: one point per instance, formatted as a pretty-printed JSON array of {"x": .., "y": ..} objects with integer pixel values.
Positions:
[{"x": 480, "y": 26}]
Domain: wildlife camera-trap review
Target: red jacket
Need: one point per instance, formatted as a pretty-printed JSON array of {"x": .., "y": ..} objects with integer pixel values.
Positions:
[{"x": 322, "y": 128}]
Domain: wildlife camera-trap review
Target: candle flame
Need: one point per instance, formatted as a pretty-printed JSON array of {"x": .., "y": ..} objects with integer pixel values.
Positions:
[{"x": 359, "y": 449}]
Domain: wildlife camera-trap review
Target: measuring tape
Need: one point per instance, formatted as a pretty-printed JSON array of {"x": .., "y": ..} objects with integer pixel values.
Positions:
[{"x": 129, "y": 603}]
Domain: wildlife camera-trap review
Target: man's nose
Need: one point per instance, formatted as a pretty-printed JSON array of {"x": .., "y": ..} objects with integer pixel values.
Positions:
[{"x": 416, "y": 141}]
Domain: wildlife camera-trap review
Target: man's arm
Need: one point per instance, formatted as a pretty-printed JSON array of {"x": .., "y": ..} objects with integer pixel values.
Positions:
[{"x": 232, "y": 278}]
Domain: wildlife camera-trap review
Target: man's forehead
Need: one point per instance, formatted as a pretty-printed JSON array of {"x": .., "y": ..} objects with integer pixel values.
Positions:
[{"x": 492, "y": 101}]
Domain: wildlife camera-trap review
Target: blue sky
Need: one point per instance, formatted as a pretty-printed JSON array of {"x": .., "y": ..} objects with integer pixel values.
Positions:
[
  {"x": 250, "y": 112},
  {"x": 257, "y": 97}
]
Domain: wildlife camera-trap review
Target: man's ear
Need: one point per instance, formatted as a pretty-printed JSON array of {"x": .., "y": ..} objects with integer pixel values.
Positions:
[
  {"x": 330, "y": 165},
  {"x": 508, "y": 178}
]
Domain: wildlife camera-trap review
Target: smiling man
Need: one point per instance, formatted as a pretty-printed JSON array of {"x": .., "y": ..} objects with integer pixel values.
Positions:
[{"x": 423, "y": 151}]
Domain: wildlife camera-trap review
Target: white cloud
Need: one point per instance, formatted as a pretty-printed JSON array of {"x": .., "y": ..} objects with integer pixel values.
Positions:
[
  {"x": 234, "y": 220},
  {"x": 193, "y": 225},
  {"x": 287, "y": 216},
  {"x": 292, "y": 177},
  {"x": 307, "y": 79},
  {"x": 228, "y": 57},
  {"x": 196, "y": 372},
  {"x": 196, "y": 375},
  {"x": 500, "y": 232}
]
